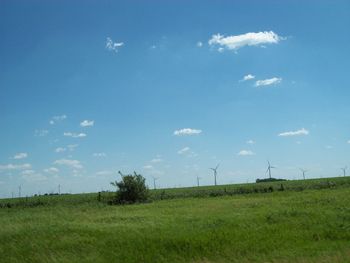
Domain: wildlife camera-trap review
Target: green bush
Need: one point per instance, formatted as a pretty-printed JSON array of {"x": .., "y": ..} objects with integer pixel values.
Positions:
[{"x": 131, "y": 189}]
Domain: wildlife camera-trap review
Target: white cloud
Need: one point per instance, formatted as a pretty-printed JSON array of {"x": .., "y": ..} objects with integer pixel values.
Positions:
[
  {"x": 71, "y": 147},
  {"x": 183, "y": 150},
  {"x": 56, "y": 119},
  {"x": 19, "y": 156},
  {"x": 348, "y": 141},
  {"x": 41, "y": 133},
  {"x": 248, "y": 39},
  {"x": 104, "y": 173},
  {"x": 10, "y": 166},
  {"x": 74, "y": 135},
  {"x": 102, "y": 154},
  {"x": 51, "y": 170},
  {"x": 87, "y": 123},
  {"x": 69, "y": 163},
  {"x": 294, "y": 133},
  {"x": 113, "y": 46},
  {"x": 267, "y": 82},
  {"x": 60, "y": 149},
  {"x": 245, "y": 153},
  {"x": 156, "y": 160},
  {"x": 248, "y": 77},
  {"x": 148, "y": 167},
  {"x": 31, "y": 175},
  {"x": 250, "y": 142},
  {"x": 199, "y": 44},
  {"x": 187, "y": 131}
]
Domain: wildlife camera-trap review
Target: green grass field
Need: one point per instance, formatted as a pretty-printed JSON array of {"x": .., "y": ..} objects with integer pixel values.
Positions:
[{"x": 307, "y": 222}]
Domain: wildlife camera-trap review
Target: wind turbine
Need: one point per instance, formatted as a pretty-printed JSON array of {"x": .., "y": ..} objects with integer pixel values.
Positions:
[
  {"x": 303, "y": 171},
  {"x": 154, "y": 182},
  {"x": 215, "y": 172},
  {"x": 198, "y": 178},
  {"x": 344, "y": 170},
  {"x": 269, "y": 167}
]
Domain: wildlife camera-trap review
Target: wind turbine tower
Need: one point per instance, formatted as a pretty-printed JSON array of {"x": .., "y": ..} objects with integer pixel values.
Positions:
[
  {"x": 154, "y": 182},
  {"x": 269, "y": 167},
  {"x": 215, "y": 170},
  {"x": 198, "y": 178},
  {"x": 344, "y": 170},
  {"x": 303, "y": 171}
]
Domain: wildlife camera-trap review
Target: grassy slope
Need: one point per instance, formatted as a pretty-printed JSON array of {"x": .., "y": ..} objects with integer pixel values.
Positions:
[{"x": 289, "y": 226}]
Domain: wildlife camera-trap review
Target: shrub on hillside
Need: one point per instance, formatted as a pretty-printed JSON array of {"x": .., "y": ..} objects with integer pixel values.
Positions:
[{"x": 131, "y": 189}]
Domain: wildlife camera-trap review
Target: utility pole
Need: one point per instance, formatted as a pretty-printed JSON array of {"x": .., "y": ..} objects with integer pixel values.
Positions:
[
  {"x": 19, "y": 191},
  {"x": 154, "y": 183},
  {"x": 59, "y": 189}
]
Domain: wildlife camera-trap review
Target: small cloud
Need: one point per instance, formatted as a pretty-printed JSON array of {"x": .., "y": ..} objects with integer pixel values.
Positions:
[
  {"x": 183, "y": 150},
  {"x": 248, "y": 77},
  {"x": 51, "y": 170},
  {"x": 60, "y": 150},
  {"x": 245, "y": 153},
  {"x": 187, "y": 131},
  {"x": 41, "y": 133},
  {"x": 104, "y": 173},
  {"x": 329, "y": 147},
  {"x": 101, "y": 154},
  {"x": 9, "y": 167},
  {"x": 294, "y": 133},
  {"x": 19, "y": 156},
  {"x": 148, "y": 167},
  {"x": 199, "y": 44},
  {"x": 87, "y": 123},
  {"x": 236, "y": 42},
  {"x": 113, "y": 46},
  {"x": 267, "y": 82},
  {"x": 69, "y": 163},
  {"x": 71, "y": 147},
  {"x": 156, "y": 160},
  {"x": 250, "y": 142},
  {"x": 74, "y": 135},
  {"x": 349, "y": 141},
  {"x": 56, "y": 119}
]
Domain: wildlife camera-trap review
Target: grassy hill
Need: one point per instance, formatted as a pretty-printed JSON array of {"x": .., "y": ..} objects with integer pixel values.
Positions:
[{"x": 301, "y": 221}]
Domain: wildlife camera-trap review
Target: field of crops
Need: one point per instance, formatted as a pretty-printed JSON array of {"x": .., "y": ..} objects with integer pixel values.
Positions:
[{"x": 298, "y": 221}]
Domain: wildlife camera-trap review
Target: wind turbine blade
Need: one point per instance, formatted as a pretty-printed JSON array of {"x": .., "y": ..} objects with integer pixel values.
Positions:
[{"x": 217, "y": 166}]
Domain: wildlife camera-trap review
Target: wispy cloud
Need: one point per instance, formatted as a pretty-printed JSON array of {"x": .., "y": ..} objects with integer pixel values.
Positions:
[
  {"x": 69, "y": 163},
  {"x": 348, "y": 141},
  {"x": 183, "y": 150},
  {"x": 245, "y": 153},
  {"x": 51, "y": 170},
  {"x": 41, "y": 133},
  {"x": 60, "y": 150},
  {"x": 87, "y": 123},
  {"x": 148, "y": 167},
  {"x": 74, "y": 135},
  {"x": 15, "y": 167},
  {"x": 71, "y": 147},
  {"x": 31, "y": 175},
  {"x": 294, "y": 133},
  {"x": 113, "y": 46},
  {"x": 250, "y": 142},
  {"x": 267, "y": 82},
  {"x": 101, "y": 154},
  {"x": 104, "y": 173},
  {"x": 236, "y": 42},
  {"x": 156, "y": 160},
  {"x": 199, "y": 44},
  {"x": 56, "y": 119},
  {"x": 19, "y": 156},
  {"x": 248, "y": 77},
  {"x": 187, "y": 131}
]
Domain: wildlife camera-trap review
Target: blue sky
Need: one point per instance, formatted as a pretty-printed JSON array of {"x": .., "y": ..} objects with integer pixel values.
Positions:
[{"x": 169, "y": 89}]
